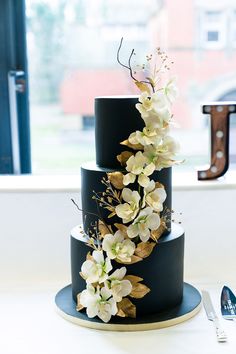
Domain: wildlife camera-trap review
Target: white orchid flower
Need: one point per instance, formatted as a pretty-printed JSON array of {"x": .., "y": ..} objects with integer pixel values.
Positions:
[
  {"x": 162, "y": 155},
  {"x": 128, "y": 211},
  {"x": 154, "y": 197},
  {"x": 150, "y": 103},
  {"x": 146, "y": 221},
  {"x": 129, "y": 178},
  {"x": 117, "y": 247},
  {"x": 138, "y": 164},
  {"x": 143, "y": 179},
  {"x": 171, "y": 90},
  {"x": 96, "y": 270},
  {"x": 98, "y": 302},
  {"x": 118, "y": 286},
  {"x": 148, "y": 136},
  {"x": 154, "y": 109}
]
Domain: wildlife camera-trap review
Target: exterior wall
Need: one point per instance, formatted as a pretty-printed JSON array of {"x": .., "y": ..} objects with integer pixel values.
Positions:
[
  {"x": 80, "y": 87},
  {"x": 203, "y": 74}
]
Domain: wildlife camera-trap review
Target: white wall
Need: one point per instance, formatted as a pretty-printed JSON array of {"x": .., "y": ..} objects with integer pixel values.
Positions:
[
  {"x": 209, "y": 219},
  {"x": 34, "y": 234},
  {"x": 35, "y": 228}
]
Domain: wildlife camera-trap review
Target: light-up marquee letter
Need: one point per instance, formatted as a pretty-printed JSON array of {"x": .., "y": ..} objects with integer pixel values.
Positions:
[{"x": 219, "y": 116}]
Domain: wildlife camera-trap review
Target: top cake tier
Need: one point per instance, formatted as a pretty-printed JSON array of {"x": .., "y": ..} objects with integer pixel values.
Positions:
[{"x": 116, "y": 118}]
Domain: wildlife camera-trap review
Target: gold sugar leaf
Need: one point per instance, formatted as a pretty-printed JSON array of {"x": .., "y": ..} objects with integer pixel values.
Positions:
[
  {"x": 132, "y": 146},
  {"x": 156, "y": 234},
  {"x": 159, "y": 185},
  {"x": 79, "y": 306},
  {"x": 134, "y": 259},
  {"x": 126, "y": 308},
  {"x": 122, "y": 228},
  {"x": 116, "y": 179},
  {"x": 120, "y": 313},
  {"x": 165, "y": 125},
  {"x": 139, "y": 290},
  {"x": 103, "y": 229},
  {"x": 82, "y": 276},
  {"x": 133, "y": 279},
  {"x": 144, "y": 249},
  {"x": 123, "y": 157},
  {"x": 142, "y": 87},
  {"x": 112, "y": 214},
  {"x": 89, "y": 257}
]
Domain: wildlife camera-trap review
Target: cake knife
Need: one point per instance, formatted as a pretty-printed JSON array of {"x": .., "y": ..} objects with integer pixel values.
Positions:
[{"x": 211, "y": 315}]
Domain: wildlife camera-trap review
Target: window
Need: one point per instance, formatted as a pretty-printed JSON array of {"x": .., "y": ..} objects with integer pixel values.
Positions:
[
  {"x": 213, "y": 29},
  {"x": 72, "y": 48}
]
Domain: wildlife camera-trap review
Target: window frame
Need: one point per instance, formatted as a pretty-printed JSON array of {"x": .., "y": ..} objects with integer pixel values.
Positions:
[
  {"x": 214, "y": 26},
  {"x": 13, "y": 60}
]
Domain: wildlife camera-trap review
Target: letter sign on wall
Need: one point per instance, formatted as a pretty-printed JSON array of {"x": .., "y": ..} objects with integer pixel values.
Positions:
[{"x": 219, "y": 116}]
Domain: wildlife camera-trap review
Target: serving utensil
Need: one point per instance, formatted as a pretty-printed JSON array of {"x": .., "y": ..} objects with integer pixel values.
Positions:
[
  {"x": 212, "y": 316},
  {"x": 228, "y": 304}
]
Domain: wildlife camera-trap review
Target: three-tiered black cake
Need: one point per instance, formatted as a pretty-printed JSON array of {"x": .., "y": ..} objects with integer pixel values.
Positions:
[
  {"x": 168, "y": 300},
  {"x": 127, "y": 257},
  {"x": 117, "y": 118}
]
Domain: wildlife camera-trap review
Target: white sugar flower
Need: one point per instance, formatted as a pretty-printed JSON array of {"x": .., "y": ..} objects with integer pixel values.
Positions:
[
  {"x": 148, "y": 103},
  {"x": 117, "y": 247},
  {"x": 162, "y": 155},
  {"x": 154, "y": 109},
  {"x": 143, "y": 178},
  {"x": 96, "y": 270},
  {"x": 128, "y": 211},
  {"x": 98, "y": 302},
  {"x": 154, "y": 197},
  {"x": 146, "y": 221},
  {"x": 171, "y": 90},
  {"x": 118, "y": 286},
  {"x": 148, "y": 136},
  {"x": 138, "y": 164},
  {"x": 129, "y": 178}
]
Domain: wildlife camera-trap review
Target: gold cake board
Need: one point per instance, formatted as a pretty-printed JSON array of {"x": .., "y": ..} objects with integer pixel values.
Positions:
[{"x": 189, "y": 307}]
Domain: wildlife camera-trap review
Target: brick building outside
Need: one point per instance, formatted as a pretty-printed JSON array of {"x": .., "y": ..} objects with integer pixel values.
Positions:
[{"x": 200, "y": 36}]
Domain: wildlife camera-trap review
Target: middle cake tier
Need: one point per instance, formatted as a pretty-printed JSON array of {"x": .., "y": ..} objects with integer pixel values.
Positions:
[{"x": 92, "y": 176}]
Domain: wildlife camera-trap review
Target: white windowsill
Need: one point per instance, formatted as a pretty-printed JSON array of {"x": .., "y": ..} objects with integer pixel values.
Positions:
[{"x": 71, "y": 183}]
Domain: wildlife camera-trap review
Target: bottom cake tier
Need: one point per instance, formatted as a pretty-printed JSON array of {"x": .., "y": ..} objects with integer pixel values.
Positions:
[{"x": 162, "y": 271}]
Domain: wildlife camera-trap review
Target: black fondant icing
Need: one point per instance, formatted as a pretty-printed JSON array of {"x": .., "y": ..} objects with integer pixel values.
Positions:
[
  {"x": 92, "y": 175},
  {"x": 116, "y": 118},
  {"x": 162, "y": 271}
]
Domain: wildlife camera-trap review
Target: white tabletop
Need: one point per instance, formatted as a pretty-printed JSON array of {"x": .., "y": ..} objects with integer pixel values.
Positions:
[{"x": 29, "y": 324}]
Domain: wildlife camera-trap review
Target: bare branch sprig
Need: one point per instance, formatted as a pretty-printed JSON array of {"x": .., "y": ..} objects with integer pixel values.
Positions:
[
  {"x": 86, "y": 212},
  {"x": 98, "y": 216},
  {"x": 129, "y": 66}
]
